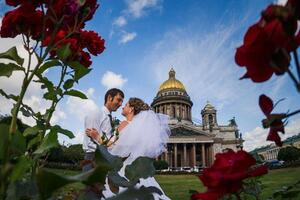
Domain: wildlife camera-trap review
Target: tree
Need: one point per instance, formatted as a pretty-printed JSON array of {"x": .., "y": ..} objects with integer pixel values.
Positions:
[
  {"x": 160, "y": 164},
  {"x": 289, "y": 154}
]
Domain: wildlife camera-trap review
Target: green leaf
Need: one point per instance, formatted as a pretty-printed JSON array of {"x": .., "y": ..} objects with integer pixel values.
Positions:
[
  {"x": 47, "y": 84},
  {"x": 12, "y": 54},
  {"x": 25, "y": 112},
  {"x": 47, "y": 65},
  {"x": 119, "y": 181},
  {"x": 66, "y": 132},
  {"x": 18, "y": 143},
  {"x": 4, "y": 133},
  {"x": 31, "y": 131},
  {"x": 20, "y": 168},
  {"x": 142, "y": 193},
  {"x": 80, "y": 70},
  {"x": 9, "y": 96},
  {"x": 55, "y": 181},
  {"x": 76, "y": 93},
  {"x": 34, "y": 141},
  {"x": 142, "y": 167},
  {"x": 48, "y": 182},
  {"x": 68, "y": 84},
  {"x": 102, "y": 155},
  {"x": 22, "y": 189},
  {"x": 7, "y": 69},
  {"x": 98, "y": 175},
  {"x": 49, "y": 142},
  {"x": 50, "y": 95},
  {"x": 64, "y": 52}
]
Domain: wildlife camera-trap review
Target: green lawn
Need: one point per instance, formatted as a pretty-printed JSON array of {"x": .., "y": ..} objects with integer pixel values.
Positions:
[{"x": 177, "y": 186}]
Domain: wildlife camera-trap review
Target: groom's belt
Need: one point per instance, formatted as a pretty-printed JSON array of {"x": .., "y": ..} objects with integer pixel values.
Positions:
[{"x": 88, "y": 159}]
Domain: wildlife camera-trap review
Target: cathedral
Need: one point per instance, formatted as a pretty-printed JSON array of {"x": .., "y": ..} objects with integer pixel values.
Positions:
[{"x": 190, "y": 144}]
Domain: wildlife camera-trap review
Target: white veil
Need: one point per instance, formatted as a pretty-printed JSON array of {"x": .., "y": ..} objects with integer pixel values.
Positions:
[{"x": 146, "y": 135}]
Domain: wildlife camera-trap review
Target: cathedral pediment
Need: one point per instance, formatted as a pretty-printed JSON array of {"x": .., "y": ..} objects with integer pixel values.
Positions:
[{"x": 187, "y": 130}]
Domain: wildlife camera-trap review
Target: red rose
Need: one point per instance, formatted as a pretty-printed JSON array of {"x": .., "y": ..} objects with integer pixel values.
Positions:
[
  {"x": 274, "y": 121},
  {"x": 13, "y": 2},
  {"x": 227, "y": 173},
  {"x": 267, "y": 45},
  {"x": 258, "y": 171},
  {"x": 85, "y": 59},
  {"x": 88, "y": 9},
  {"x": 18, "y": 2},
  {"x": 58, "y": 37},
  {"x": 211, "y": 195},
  {"x": 92, "y": 41},
  {"x": 24, "y": 19},
  {"x": 294, "y": 6}
]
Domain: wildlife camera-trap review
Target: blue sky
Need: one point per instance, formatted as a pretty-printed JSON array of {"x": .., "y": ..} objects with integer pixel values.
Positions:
[{"x": 145, "y": 38}]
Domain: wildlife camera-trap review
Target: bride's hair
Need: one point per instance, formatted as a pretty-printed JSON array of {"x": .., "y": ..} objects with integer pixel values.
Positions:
[{"x": 138, "y": 105}]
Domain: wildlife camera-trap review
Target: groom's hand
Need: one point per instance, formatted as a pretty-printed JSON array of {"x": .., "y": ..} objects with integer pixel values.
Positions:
[{"x": 92, "y": 132}]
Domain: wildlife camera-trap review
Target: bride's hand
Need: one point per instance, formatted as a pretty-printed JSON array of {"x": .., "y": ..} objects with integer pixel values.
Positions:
[
  {"x": 92, "y": 132},
  {"x": 122, "y": 125}
]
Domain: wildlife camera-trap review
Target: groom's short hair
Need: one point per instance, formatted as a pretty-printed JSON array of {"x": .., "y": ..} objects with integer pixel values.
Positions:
[{"x": 113, "y": 92}]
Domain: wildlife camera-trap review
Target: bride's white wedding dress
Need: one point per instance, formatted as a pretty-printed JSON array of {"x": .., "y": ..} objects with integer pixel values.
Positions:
[{"x": 146, "y": 135}]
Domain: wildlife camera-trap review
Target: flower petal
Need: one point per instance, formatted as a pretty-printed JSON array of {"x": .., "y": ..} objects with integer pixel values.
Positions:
[{"x": 265, "y": 104}]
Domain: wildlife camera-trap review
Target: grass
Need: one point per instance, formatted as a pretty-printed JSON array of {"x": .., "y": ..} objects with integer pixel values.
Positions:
[{"x": 177, "y": 186}]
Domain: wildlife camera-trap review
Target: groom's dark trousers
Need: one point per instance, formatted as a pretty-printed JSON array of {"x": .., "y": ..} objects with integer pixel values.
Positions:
[{"x": 88, "y": 162}]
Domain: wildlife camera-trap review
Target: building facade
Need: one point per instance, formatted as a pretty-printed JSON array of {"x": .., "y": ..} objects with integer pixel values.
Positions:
[
  {"x": 270, "y": 152},
  {"x": 190, "y": 144}
]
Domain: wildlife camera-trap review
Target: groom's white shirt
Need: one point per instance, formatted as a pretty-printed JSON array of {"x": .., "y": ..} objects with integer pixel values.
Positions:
[{"x": 101, "y": 122}]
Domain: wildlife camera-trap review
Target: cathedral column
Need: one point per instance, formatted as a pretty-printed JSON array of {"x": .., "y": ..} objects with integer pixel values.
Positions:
[
  {"x": 187, "y": 113},
  {"x": 166, "y": 155},
  {"x": 203, "y": 155},
  {"x": 167, "y": 111},
  {"x": 175, "y": 154},
  {"x": 171, "y": 158},
  {"x": 184, "y": 155},
  {"x": 194, "y": 155},
  {"x": 210, "y": 155}
]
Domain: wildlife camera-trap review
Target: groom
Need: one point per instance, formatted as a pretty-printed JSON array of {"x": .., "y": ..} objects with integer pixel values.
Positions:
[{"x": 101, "y": 121}]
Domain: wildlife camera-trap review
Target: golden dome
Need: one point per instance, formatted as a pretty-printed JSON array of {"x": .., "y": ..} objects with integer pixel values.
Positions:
[{"x": 171, "y": 83}]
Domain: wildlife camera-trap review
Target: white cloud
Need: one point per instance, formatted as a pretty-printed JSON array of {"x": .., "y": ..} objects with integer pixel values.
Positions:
[
  {"x": 257, "y": 137},
  {"x": 78, "y": 137},
  {"x": 77, "y": 108},
  {"x": 113, "y": 80},
  {"x": 203, "y": 62},
  {"x": 281, "y": 2},
  {"x": 90, "y": 93},
  {"x": 120, "y": 21},
  {"x": 12, "y": 85},
  {"x": 137, "y": 8},
  {"x": 126, "y": 37}
]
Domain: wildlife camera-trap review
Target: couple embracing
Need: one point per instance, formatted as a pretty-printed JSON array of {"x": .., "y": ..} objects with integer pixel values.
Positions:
[{"x": 142, "y": 133}]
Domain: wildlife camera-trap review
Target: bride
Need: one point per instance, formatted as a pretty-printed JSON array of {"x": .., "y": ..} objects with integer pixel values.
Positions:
[{"x": 143, "y": 133}]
